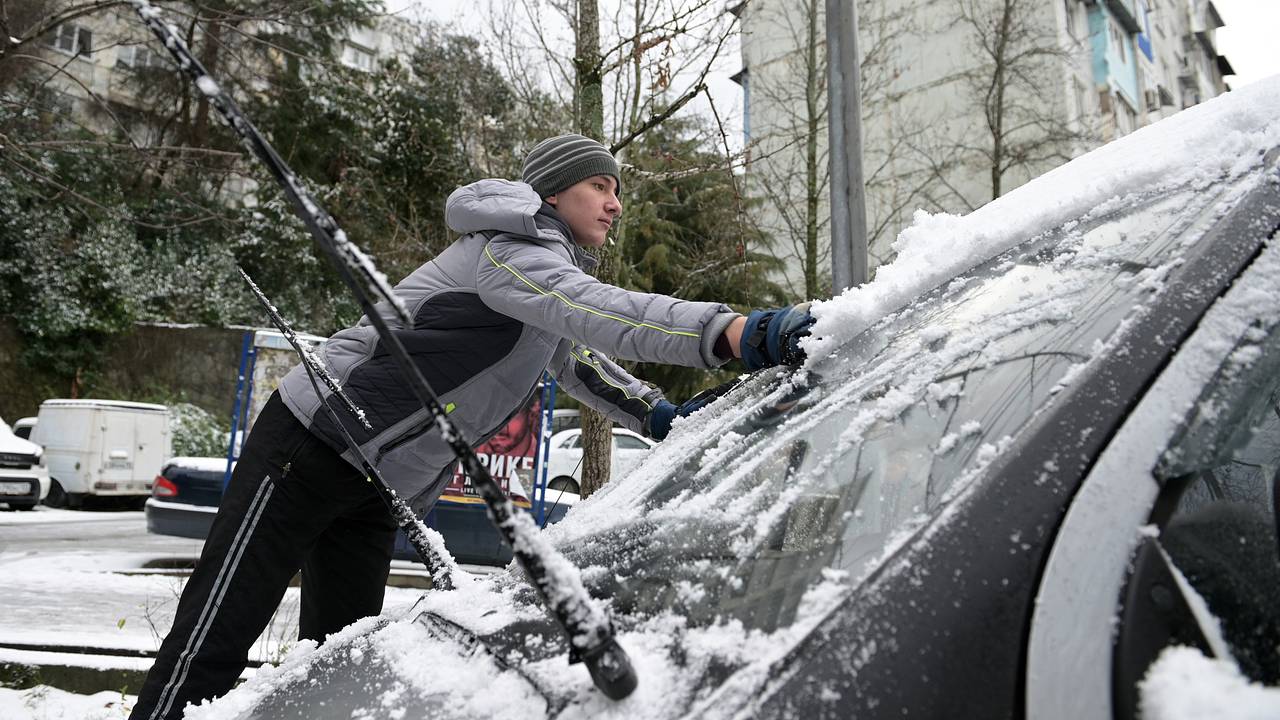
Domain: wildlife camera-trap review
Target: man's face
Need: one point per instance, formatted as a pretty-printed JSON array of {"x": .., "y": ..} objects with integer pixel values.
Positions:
[{"x": 590, "y": 207}]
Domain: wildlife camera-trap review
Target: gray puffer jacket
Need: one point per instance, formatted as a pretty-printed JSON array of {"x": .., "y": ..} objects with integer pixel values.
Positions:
[{"x": 507, "y": 300}]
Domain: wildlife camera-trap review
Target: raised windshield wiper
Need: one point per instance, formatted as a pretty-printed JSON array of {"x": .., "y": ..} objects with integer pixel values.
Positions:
[{"x": 558, "y": 583}]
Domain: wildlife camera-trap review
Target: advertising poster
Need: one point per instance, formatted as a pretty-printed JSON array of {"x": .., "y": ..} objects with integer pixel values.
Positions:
[{"x": 508, "y": 454}]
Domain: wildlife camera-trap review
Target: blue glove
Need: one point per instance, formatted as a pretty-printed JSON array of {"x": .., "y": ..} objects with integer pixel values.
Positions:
[
  {"x": 772, "y": 337},
  {"x": 662, "y": 414}
]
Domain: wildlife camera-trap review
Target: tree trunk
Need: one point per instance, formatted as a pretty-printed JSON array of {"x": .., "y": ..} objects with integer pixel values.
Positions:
[
  {"x": 597, "y": 431},
  {"x": 209, "y": 58},
  {"x": 811, "y": 188},
  {"x": 996, "y": 102}
]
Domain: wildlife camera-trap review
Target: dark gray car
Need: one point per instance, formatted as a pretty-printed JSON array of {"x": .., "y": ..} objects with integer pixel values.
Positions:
[{"x": 1006, "y": 498}]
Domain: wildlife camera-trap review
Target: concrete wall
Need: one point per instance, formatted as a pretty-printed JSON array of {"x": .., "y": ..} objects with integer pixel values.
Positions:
[{"x": 195, "y": 364}]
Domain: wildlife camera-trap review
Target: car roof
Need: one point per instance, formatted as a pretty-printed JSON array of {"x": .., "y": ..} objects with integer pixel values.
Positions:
[
  {"x": 204, "y": 464},
  {"x": 61, "y": 403}
]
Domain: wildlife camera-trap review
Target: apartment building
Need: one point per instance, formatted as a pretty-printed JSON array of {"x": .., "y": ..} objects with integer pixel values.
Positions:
[
  {"x": 93, "y": 65},
  {"x": 1098, "y": 69}
]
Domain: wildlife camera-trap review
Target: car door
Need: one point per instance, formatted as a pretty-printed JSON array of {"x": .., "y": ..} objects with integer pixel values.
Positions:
[
  {"x": 565, "y": 458},
  {"x": 1171, "y": 541}
]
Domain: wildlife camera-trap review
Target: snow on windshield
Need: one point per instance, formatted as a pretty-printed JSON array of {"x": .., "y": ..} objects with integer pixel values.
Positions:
[{"x": 1200, "y": 144}]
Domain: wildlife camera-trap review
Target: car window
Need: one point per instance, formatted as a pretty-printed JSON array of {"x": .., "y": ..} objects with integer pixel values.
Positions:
[
  {"x": 1209, "y": 575},
  {"x": 571, "y": 441},
  {"x": 629, "y": 442},
  {"x": 836, "y": 468},
  {"x": 563, "y": 421},
  {"x": 1222, "y": 538}
]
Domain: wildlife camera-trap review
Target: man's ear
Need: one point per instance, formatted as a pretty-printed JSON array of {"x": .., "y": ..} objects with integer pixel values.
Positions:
[{"x": 551, "y": 200}]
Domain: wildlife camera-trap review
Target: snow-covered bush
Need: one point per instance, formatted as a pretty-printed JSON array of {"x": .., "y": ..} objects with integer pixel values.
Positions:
[{"x": 196, "y": 432}]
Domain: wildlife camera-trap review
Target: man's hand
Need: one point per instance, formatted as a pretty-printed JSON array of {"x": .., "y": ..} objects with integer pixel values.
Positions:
[
  {"x": 772, "y": 337},
  {"x": 662, "y": 414}
]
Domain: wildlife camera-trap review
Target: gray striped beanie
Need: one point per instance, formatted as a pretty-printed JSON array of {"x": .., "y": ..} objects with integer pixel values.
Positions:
[{"x": 556, "y": 163}]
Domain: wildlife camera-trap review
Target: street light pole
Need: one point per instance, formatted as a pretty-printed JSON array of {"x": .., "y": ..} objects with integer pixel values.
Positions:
[{"x": 844, "y": 113}]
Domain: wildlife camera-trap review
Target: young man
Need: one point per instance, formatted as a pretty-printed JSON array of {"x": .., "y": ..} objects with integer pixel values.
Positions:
[{"x": 510, "y": 299}]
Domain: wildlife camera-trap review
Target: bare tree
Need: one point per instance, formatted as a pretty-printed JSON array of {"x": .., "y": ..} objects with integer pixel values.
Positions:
[
  {"x": 588, "y": 106},
  {"x": 946, "y": 141},
  {"x": 1015, "y": 85},
  {"x": 789, "y": 162}
]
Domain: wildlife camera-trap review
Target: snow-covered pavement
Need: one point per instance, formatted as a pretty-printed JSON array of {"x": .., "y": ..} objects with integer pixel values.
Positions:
[{"x": 97, "y": 581}]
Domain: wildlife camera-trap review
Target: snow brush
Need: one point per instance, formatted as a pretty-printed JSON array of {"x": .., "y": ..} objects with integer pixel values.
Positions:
[{"x": 557, "y": 581}]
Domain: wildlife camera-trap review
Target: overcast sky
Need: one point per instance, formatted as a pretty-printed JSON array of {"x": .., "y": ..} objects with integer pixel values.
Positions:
[{"x": 1249, "y": 38}]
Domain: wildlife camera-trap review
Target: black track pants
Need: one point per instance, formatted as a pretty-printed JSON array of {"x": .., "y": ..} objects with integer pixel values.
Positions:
[{"x": 292, "y": 504}]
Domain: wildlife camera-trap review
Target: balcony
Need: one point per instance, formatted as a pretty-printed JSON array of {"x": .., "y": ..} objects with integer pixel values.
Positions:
[{"x": 1122, "y": 11}]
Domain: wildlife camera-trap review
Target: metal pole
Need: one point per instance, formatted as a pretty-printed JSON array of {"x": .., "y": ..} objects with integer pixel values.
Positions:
[
  {"x": 844, "y": 103},
  {"x": 544, "y": 449},
  {"x": 246, "y": 345}
]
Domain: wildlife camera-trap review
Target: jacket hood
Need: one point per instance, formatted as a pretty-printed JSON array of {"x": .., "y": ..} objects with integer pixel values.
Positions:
[
  {"x": 509, "y": 206},
  {"x": 502, "y": 205}
]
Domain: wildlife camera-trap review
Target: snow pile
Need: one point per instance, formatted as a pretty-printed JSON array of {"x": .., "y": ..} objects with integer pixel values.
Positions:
[
  {"x": 1183, "y": 684},
  {"x": 295, "y": 666},
  {"x": 46, "y": 703},
  {"x": 1198, "y": 145},
  {"x": 403, "y": 646}
]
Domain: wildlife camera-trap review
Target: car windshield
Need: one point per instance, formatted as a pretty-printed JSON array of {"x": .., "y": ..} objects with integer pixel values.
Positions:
[{"x": 826, "y": 472}]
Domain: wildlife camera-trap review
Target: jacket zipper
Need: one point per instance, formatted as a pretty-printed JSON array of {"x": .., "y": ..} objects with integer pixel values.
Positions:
[{"x": 408, "y": 437}]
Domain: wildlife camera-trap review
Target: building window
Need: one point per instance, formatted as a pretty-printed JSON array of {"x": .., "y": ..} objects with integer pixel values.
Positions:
[
  {"x": 136, "y": 56},
  {"x": 1117, "y": 38},
  {"x": 1073, "y": 18},
  {"x": 1126, "y": 119},
  {"x": 357, "y": 57},
  {"x": 70, "y": 39},
  {"x": 1078, "y": 90},
  {"x": 742, "y": 77}
]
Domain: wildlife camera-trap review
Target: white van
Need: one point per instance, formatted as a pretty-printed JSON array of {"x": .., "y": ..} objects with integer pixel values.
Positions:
[{"x": 106, "y": 448}]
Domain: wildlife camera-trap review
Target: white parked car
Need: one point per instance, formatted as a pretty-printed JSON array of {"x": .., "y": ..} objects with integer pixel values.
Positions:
[
  {"x": 24, "y": 480},
  {"x": 564, "y": 465},
  {"x": 22, "y": 427}
]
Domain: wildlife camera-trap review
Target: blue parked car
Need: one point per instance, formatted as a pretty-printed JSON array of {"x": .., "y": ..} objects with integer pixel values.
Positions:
[{"x": 185, "y": 496}]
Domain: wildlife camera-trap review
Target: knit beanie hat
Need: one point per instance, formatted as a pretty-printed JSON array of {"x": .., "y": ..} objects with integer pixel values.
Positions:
[{"x": 556, "y": 163}]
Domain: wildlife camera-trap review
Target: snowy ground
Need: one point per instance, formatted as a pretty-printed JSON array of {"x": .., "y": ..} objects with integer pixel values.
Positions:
[
  {"x": 46, "y": 703},
  {"x": 74, "y": 578}
]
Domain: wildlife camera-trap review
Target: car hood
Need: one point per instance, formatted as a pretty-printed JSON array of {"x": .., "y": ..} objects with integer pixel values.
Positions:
[
  {"x": 10, "y": 443},
  {"x": 417, "y": 667},
  {"x": 487, "y": 649}
]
